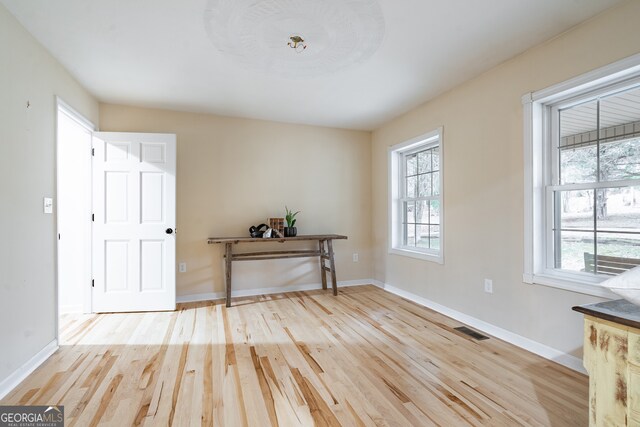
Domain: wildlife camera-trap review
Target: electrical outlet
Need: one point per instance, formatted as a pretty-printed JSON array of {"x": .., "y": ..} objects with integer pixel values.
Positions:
[
  {"x": 356, "y": 258},
  {"x": 182, "y": 267},
  {"x": 488, "y": 286}
]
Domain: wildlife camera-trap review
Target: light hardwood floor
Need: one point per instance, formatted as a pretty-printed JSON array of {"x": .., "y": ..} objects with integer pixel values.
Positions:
[{"x": 366, "y": 357}]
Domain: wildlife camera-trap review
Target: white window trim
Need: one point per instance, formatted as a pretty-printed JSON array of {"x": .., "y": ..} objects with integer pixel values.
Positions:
[
  {"x": 536, "y": 169},
  {"x": 394, "y": 228}
]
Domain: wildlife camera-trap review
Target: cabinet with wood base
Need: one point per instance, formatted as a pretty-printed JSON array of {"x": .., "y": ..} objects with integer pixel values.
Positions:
[{"x": 612, "y": 358}]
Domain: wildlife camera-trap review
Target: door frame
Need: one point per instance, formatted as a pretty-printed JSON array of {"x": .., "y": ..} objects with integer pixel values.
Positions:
[{"x": 68, "y": 110}]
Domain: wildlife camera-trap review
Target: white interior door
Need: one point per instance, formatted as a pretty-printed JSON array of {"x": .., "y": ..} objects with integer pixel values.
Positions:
[{"x": 134, "y": 206}]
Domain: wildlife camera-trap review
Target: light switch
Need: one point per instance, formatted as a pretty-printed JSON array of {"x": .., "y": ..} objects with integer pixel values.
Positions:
[
  {"x": 488, "y": 286},
  {"x": 48, "y": 205}
]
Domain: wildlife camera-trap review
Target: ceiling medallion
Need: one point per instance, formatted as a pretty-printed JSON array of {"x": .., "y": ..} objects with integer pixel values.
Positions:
[
  {"x": 297, "y": 43},
  {"x": 343, "y": 33}
]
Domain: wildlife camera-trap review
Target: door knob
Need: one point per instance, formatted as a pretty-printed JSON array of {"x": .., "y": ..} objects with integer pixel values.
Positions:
[{"x": 169, "y": 231}]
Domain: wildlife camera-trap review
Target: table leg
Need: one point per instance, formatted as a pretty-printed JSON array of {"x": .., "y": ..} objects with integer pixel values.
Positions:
[
  {"x": 323, "y": 272},
  {"x": 228, "y": 272},
  {"x": 332, "y": 265}
]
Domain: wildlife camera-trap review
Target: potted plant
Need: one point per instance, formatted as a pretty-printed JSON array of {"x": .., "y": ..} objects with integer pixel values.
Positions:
[{"x": 290, "y": 230}]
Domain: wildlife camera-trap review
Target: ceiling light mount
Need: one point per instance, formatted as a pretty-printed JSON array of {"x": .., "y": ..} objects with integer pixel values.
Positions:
[
  {"x": 338, "y": 34},
  {"x": 297, "y": 43}
]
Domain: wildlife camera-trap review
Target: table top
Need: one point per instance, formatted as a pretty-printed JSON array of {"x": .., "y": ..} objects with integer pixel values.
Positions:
[
  {"x": 211, "y": 240},
  {"x": 618, "y": 311}
]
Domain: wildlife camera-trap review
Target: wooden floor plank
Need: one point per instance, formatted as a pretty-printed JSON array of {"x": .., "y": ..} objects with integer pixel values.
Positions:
[{"x": 365, "y": 358}]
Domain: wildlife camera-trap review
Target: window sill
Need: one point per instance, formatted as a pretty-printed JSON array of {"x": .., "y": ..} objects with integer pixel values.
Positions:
[
  {"x": 417, "y": 255},
  {"x": 569, "y": 284}
]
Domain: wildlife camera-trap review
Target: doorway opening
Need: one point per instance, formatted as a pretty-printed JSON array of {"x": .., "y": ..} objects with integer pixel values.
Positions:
[
  {"x": 116, "y": 216},
  {"x": 73, "y": 166}
]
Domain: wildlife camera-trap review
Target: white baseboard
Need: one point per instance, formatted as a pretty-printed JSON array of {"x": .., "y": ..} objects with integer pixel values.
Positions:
[
  {"x": 25, "y": 370},
  {"x": 377, "y": 283},
  {"x": 267, "y": 291},
  {"x": 535, "y": 347}
]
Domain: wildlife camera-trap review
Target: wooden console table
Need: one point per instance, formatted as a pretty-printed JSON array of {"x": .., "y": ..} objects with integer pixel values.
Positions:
[{"x": 324, "y": 255}]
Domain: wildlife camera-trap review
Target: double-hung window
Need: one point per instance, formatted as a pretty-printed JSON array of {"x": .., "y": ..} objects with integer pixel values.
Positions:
[
  {"x": 583, "y": 189},
  {"x": 416, "y": 226}
]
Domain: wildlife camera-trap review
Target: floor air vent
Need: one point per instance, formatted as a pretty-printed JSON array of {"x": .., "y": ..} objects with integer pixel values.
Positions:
[{"x": 473, "y": 334}]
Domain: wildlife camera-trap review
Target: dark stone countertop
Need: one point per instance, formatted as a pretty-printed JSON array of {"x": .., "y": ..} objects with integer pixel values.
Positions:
[{"x": 619, "y": 311}]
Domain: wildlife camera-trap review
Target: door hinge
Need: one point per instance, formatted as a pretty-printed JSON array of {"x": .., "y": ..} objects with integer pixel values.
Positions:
[
  {"x": 93, "y": 151},
  {"x": 93, "y": 283},
  {"x": 93, "y": 217}
]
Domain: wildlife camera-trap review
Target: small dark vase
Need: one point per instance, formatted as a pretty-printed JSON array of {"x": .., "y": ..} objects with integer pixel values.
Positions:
[{"x": 290, "y": 231}]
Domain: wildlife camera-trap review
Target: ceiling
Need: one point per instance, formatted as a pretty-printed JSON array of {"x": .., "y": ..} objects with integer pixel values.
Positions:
[{"x": 366, "y": 62}]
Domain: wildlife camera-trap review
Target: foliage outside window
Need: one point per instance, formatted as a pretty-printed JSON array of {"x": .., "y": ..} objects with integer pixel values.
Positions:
[
  {"x": 421, "y": 201},
  {"x": 596, "y": 184},
  {"x": 582, "y": 179},
  {"x": 416, "y": 201}
]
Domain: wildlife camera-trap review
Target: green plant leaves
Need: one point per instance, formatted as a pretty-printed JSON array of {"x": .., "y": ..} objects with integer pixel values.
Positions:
[{"x": 290, "y": 217}]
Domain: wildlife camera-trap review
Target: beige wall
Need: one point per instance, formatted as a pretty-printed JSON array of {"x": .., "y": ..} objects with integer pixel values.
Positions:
[
  {"x": 27, "y": 173},
  {"x": 234, "y": 173},
  {"x": 483, "y": 197}
]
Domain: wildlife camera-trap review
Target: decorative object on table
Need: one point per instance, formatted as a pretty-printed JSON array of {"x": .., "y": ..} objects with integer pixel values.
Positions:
[
  {"x": 627, "y": 285},
  {"x": 257, "y": 231},
  {"x": 267, "y": 234},
  {"x": 275, "y": 233},
  {"x": 277, "y": 224},
  {"x": 290, "y": 230}
]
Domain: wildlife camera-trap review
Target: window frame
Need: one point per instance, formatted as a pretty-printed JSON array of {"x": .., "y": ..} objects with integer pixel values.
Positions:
[
  {"x": 540, "y": 164},
  {"x": 397, "y": 179}
]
